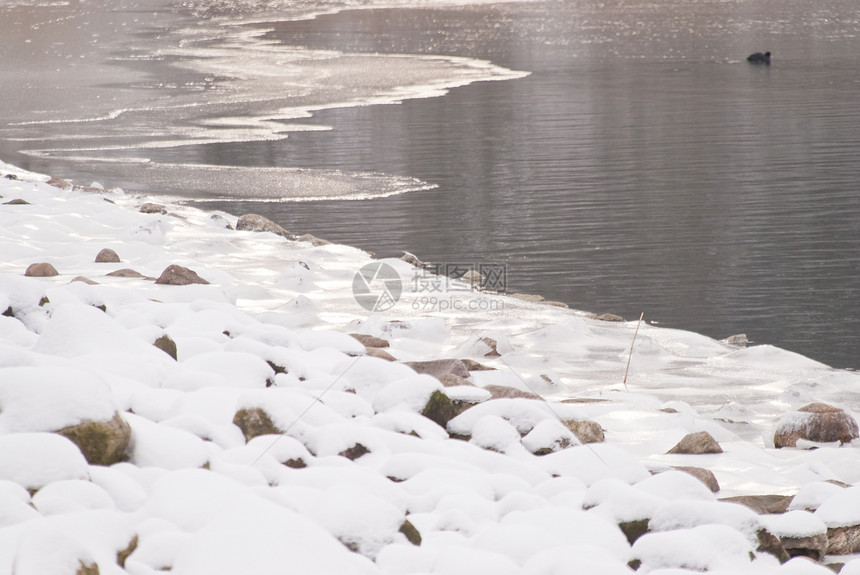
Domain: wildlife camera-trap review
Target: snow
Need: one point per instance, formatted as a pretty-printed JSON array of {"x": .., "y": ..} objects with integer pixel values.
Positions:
[{"x": 271, "y": 332}]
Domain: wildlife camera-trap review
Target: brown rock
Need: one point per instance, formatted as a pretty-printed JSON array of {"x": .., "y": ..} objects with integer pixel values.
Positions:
[
  {"x": 179, "y": 276},
  {"x": 125, "y": 273},
  {"x": 492, "y": 344},
  {"x": 380, "y": 353},
  {"x": 586, "y": 431},
  {"x": 59, "y": 183},
  {"x": 254, "y": 421},
  {"x": 152, "y": 208},
  {"x": 763, "y": 504},
  {"x": 451, "y": 380},
  {"x": 101, "y": 442},
  {"x": 770, "y": 543},
  {"x": 439, "y": 367},
  {"x": 41, "y": 270},
  {"x": 411, "y": 533},
  {"x": 370, "y": 340},
  {"x": 87, "y": 568},
  {"x": 257, "y": 223},
  {"x": 817, "y": 422},
  {"x": 354, "y": 452},
  {"x": 17, "y": 202},
  {"x": 812, "y": 546},
  {"x": 473, "y": 365},
  {"x": 85, "y": 280},
  {"x": 503, "y": 391},
  {"x": 123, "y": 554},
  {"x": 843, "y": 540},
  {"x": 107, "y": 256},
  {"x": 706, "y": 476},
  {"x": 696, "y": 444},
  {"x": 313, "y": 240}
]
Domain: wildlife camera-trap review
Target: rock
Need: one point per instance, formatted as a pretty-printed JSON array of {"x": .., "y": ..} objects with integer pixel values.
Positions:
[
  {"x": 843, "y": 540},
  {"x": 439, "y": 408},
  {"x": 313, "y": 240},
  {"x": 59, "y": 183},
  {"x": 179, "y": 276},
  {"x": 439, "y": 367},
  {"x": 770, "y": 543},
  {"x": 85, "y": 280},
  {"x": 635, "y": 529},
  {"x": 473, "y": 277},
  {"x": 607, "y": 317},
  {"x": 254, "y": 421},
  {"x": 17, "y": 202},
  {"x": 812, "y": 546},
  {"x": 107, "y": 256},
  {"x": 101, "y": 442},
  {"x": 257, "y": 223},
  {"x": 354, "y": 452},
  {"x": 411, "y": 533},
  {"x": 370, "y": 340},
  {"x": 123, "y": 554},
  {"x": 221, "y": 221},
  {"x": 473, "y": 365},
  {"x": 816, "y": 422},
  {"x": 586, "y": 431},
  {"x": 152, "y": 208},
  {"x": 380, "y": 353},
  {"x": 492, "y": 344},
  {"x": 125, "y": 273},
  {"x": 451, "y": 380},
  {"x": 763, "y": 504},
  {"x": 87, "y": 568},
  {"x": 503, "y": 391},
  {"x": 41, "y": 270},
  {"x": 167, "y": 345},
  {"x": 737, "y": 340},
  {"x": 697, "y": 444},
  {"x": 413, "y": 259},
  {"x": 706, "y": 476}
]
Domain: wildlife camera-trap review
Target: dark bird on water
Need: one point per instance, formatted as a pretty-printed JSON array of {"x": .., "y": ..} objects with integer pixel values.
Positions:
[{"x": 759, "y": 58}]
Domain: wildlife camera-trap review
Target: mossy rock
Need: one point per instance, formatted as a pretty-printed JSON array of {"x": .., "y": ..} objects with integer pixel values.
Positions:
[
  {"x": 167, "y": 345},
  {"x": 439, "y": 408},
  {"x": 411, "y": 533},
  {"x": 635, "y": 529},
  {"x": 101, "y": 442}
]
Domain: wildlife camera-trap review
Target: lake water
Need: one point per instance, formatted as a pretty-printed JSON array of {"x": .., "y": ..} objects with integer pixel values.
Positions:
[{"x": 642, "y": 166}]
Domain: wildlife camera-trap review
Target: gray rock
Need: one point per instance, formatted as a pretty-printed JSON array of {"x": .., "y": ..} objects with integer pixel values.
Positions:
[
  {"x": 439, "y": 367},
  {"x": 812, "y": 546},
  {"x": 41, "y": 270},
  {"x": 107, "y": 256},
  {"x": 816, "y": 422},
  {"x": 101, "y": 442},
  {"x": 505, "y": 392},
  {"x": 152, "y": 208},
  {"x": 843, "y": 540},
  {"x": 258, "y": 223},
  {"x": 585, "y": 430},
  {"x": 380, "y": 353},
  {"x": 697, "y": 444},
  {"x": 179, "y": 276}
]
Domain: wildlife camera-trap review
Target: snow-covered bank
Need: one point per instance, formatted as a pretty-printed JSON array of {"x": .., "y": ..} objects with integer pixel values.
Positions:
[{"x": 275, "y": 441}]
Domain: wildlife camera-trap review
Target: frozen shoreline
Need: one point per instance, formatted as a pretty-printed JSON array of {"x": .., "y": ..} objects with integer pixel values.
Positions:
[{"x": 269, "y": 332}]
